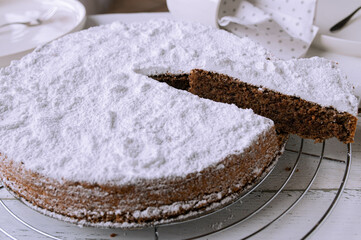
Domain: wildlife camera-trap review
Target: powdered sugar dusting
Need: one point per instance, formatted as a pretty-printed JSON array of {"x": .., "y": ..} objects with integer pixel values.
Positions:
[
  {"x": 148, "y": 131},
  {"x": 82, "y": 108},
  {"x": 315, "y": 79}
]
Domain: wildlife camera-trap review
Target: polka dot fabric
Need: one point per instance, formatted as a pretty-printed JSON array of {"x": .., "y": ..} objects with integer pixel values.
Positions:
[{"x": 285, "y": 27}]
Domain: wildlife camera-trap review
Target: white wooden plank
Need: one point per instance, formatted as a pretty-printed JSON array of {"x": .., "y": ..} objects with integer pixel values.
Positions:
[
  {"x": 14, "y": 227},
  {"x": 329, "y": 176},
  {"x": 343, "y": 224},
  {"x": 345, "y": 221},
  {"x": 230, "y": 215},
  {"x": 58, "y": 228},
  {"x": 4, "y": 194},
  {"x": 5, "y": 235}
]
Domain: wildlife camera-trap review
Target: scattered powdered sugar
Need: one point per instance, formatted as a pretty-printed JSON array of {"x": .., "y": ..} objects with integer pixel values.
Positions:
[{"x": 82, "y": 107}]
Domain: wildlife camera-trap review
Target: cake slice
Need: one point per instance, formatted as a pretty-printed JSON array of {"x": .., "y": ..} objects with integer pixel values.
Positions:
[
  {"x": 308, "y": 97},
  {"x": 290, "y": 113}
]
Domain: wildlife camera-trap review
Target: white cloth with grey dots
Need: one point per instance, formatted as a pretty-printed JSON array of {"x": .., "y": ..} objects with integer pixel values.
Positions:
[{"x": 285, "y": 27}]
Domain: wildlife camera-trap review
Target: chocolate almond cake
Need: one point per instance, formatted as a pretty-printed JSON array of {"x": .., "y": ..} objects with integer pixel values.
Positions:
[{"x": 89, "y": 136}]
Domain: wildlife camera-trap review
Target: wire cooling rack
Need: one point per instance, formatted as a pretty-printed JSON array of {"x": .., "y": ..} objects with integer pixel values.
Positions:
[{"x": 250, "y": 205}]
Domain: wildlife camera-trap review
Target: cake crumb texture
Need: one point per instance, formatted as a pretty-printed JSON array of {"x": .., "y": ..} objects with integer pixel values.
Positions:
[{"x": 291, "y": 114}]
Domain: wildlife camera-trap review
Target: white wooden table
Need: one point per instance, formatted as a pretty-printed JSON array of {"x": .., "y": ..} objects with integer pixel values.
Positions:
[{"x": 343, "y": 223}]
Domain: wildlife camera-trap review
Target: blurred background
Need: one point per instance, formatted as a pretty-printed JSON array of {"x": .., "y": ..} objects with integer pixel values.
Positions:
[{"x": 124, "y": 6}]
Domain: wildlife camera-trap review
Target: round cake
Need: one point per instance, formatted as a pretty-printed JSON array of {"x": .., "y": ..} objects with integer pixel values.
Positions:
[{"x": 90, "y": 133}]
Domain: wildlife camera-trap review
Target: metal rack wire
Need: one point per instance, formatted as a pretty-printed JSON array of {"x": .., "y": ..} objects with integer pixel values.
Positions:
[{"x": 237, "y": 220}]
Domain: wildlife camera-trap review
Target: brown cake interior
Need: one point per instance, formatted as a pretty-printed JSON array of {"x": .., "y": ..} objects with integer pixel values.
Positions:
[
  {"x": 180, "y": 81},
  {"x": 96, "y": 203},
  {"x": 290, "y": 114}
]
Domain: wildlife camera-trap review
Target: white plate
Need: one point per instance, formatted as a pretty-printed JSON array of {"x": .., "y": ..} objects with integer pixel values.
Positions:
[
  {"x": 348, "y": 39},
  {"x": 18, "y": 40}
]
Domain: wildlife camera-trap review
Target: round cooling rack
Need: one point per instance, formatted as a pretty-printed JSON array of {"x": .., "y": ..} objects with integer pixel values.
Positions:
[{"x": 283, "y": 196}]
